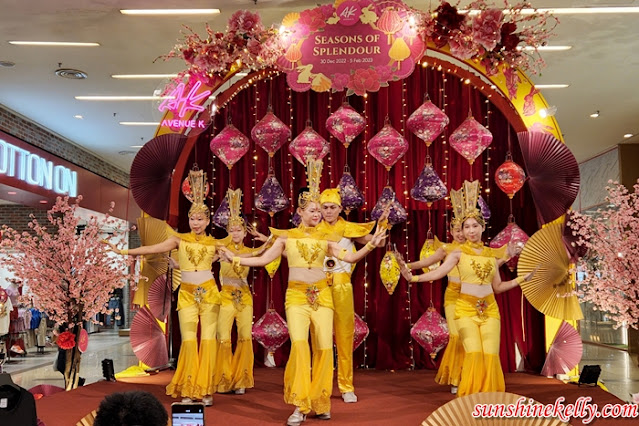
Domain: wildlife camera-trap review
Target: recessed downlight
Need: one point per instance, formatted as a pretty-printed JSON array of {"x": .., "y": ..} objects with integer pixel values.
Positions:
[
  {"x": 71, "y": 74},
  {"x": 7, "y": 64}
]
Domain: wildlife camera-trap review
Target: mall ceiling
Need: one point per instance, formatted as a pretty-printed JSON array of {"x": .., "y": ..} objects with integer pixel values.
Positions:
[{"x": 601, "y": 68}]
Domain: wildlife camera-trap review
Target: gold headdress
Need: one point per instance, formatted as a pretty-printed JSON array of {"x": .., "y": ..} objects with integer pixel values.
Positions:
[
  {"x": 331, "y": 195},
  {"x": 313, "y": 175},
  {"x": 197, "y": 182},
  {"x": 471, "y": 195},
  {"x": 234, "y": 198},
  {"x": 457, "y": 200}
]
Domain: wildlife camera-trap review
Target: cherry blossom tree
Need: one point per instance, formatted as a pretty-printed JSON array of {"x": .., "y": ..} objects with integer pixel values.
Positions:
[
  {"x": 66, "y": 270},
  {"x": 610, "y": 266}
]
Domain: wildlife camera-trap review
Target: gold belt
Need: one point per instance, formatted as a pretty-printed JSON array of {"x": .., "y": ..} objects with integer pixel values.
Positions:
[
  {"x": 481, "y": 303},
  {"x": 311, "y": 290}
]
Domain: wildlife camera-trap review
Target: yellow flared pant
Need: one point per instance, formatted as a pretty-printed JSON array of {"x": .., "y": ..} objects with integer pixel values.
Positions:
[
  {"x": 344, "y": 324},
  {"x": 234, "y": 370},
  {"x": 193, "y": 376},
  {"x": 450, "y": 369},
  {"x": 480, "y": 335},
  {"x": 309, "y": 391}
]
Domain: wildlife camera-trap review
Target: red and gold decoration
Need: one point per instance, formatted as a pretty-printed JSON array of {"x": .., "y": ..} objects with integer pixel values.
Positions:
[
  {"x": 427, "y": 122},
  {"x": 512, "y": 234},
  {"x": 270, "y": 133},
  {"x": 360, "y": 333},
  {"x": 470, "y": 139},
  {"x": 388, "y": 145},
  {"x": 230, "y": 145},
  {"x": 345, "y": 124},
  {"x": 510, "y": 177},
  {"x": 308, "y": 145},
  {"x": 270, "y": 331},
  {"x": 431, "y": 332}
]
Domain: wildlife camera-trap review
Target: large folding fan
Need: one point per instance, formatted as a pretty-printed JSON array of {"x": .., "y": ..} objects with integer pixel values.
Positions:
[
  {"x": 551, "y": 289},
  {"x": 151, "y": 173},
  {"x": 151, "y": 231},
  {"x": 148, "y": 340},
  {"x": 565, "y": 351},
  {"x": 160, "y": 297},
  {"x": 553, "y": 174},
  {"x": 459, "y": 412}
]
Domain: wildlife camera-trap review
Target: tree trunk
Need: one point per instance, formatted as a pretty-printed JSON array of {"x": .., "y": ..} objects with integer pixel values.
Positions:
[{"x": 72, "y": 365}]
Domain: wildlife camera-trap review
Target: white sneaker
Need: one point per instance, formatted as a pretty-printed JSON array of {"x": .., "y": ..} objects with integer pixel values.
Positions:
[
  {"x": 270, "y": 360},
  {"x": 296, "y": 418},
  {"x": 349, "y": 397},
  {"x": 324, "y": 416},
  {"x": 207, "y": 400},
  {"x": 187, "y": 400},
  {"x": 240, "y": 391},
  {"x": 453, "y": 390}
]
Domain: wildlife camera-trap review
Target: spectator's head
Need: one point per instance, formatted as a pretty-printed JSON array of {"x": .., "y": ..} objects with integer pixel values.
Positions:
[{"x": 131, "y": 408}]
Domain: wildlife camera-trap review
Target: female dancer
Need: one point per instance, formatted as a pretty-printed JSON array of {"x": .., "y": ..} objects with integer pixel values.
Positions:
[
  {"x": 198, "y": 298},
  {"x": 476, "y": 312},
  {"x": 308, "y": 300}
]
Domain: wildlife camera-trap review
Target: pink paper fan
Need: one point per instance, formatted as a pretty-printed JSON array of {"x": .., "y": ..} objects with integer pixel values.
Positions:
[
  {"x": 148, "y": 340},
  {"x": 565, "y": 351},
  {"x": 160, "y": 297}
]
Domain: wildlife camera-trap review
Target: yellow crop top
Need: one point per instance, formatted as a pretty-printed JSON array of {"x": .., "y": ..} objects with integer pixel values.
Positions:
[
  {"x": 195, "y": 253},
  {"x": 449, "y": 248},
  {"x": 477, "y": 268},
  {"x": 346, "y": 229},
  {"x": 226, "y": 269},
  {"x": 306, "y": 247}
]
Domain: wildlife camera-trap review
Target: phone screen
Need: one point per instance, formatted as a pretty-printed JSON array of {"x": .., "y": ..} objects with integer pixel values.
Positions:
[{"x": 187, "y": 414}]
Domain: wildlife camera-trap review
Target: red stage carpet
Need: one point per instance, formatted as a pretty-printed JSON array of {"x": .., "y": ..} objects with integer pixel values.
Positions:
[{"x": 385, "y": 398}]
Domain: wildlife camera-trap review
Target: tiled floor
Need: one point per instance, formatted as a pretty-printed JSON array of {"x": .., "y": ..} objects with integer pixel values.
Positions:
[{"x": 619, "y": 370}]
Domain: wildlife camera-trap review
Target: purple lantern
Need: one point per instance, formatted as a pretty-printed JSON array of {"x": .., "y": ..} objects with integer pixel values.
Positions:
[
  {"x": 308, "y": 144},
  {"x": 270, "y": 331},
  {"x": 429, "y": 187},
  {"x": 483, "y": 207},
  {"x": 397, "y": 212},
  {"x": 270, "y": 133},
  {"x": 431, "y": 332},
  {"x": 271, "y": 198},
  {"x": 345, "y": 124},
  {"x": 470, "y": 139},
  {"x": 427, "y": 122},
  {"x": 221, "y": 216},
  {"x": 351, "y": 195}
]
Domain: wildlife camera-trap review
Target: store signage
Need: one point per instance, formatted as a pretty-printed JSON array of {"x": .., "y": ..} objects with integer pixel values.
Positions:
[
  {"x": 31, "y": 168},
  {"x": 180, "y": 102},
  {"x": 358, "y": 46}
]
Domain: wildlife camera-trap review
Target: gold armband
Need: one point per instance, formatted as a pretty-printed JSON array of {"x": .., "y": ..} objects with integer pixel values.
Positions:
[
  {"x": 342, "y": 254},
  {"x": 408, "y": 266},
  {"x": 236, "y": 262},
  {"x": 370, "y": 246},
  {"x": 520, "y": 280},
  {"x": 415, "y": 279},
  {"x": 124, "y": 252}
]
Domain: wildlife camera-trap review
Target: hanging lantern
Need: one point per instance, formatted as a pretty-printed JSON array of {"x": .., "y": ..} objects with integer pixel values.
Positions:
[
  {"x": 389, "y": 271},
  {"x": 427, "y": 122},
  {"x": 431, "y": 332},
  {"x": 308, "y": 145},
  {"x": 510, "y": 234},
  {"x": 483, "y": 208},
  {"x": 221, "y": 216},
  {"x": 388, "y": 145},
  {"x": 296, "y": 219},
  {"x": 510, "y": 177},
  {"x": 390, "y": 22},
  {"x": 361, "y": 332},
  {"x": 399, "y": 51},
  {"x": 271, "y": 198},
  {"x": 397, "y": 211},
  {"x": 428, "y": 249},
  {"x": 350, "y": 194},
  {"x": 270, "y": 133},
  {"x": 470, "y": 139},
  {"x": 272, "y": 267},
  {"x": 270, "y": 331},
  {"x": 429, "y": 187},
  {"x": 188, "y": 193},
  {"x": 230, "y": 145},
  {"x": 345, "y": 124}
]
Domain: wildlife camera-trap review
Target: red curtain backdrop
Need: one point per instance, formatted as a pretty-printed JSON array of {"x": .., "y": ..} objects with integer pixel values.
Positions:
[{"x": 389, "y": 318}]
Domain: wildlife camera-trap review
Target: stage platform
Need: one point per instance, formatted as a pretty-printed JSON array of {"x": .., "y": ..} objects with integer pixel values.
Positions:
[{"x": 403, "y": 398}]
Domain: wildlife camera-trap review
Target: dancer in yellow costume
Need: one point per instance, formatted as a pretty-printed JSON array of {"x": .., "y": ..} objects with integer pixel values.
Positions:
[
  {"x": 308, "y": 301},
  {"x": 450, "y": 368},
  {"x": 234, "y": 371},
  {"x": 476, "y": 313},
  {"x": 198, "y": 299},
  {"x": 342, "y": 289}
]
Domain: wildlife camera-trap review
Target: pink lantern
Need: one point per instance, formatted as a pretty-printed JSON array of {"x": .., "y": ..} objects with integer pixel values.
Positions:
[
  {"x": 431, "y": 332},
  {"x": 361, "y": 332},
  {"x": 388, "y": 145},
  {"x": 270, "y": 133},
  {"x": 271, "y": 198},
  {"x": 270, "y": 331},
  {"x": 308, "y": 144},
  {"x": 345, "y": 124},
  {"x": 510, "y": 177},
  {"x": 230, "y": 145},
  {"x": 470, "y": 139},
  {"x": 510, "y": 234},
  {"x": 427, "y": 122}
]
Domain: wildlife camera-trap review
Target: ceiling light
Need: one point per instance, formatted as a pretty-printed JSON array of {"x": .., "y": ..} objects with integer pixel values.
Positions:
[
  {"x": 139, "y": 123},
  {"x": 169, "y": 11},
  {"x": 551, "y": 86},
  {"x": 581, "y": 10},
  {"x": 628, "y": 135},
  {"x": 71, "y": 74},
  {"x": 548, "y": 111},
  {"x": 546, "y": 48},
  {"x": 121, "y": 98},
  {"x": 43, "y": 201},
  {"x": 7, "y": 64},
  {"x": 12, "y": 193},
  {"x": 53, "y": 43},
  {"x": 137, "y": 146},
  {"x": 79, "y": 117},
  {"x": 141, "y": 76},
  {"x": 594, "y": 114},
  {"x": 241, "y": 74}
]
